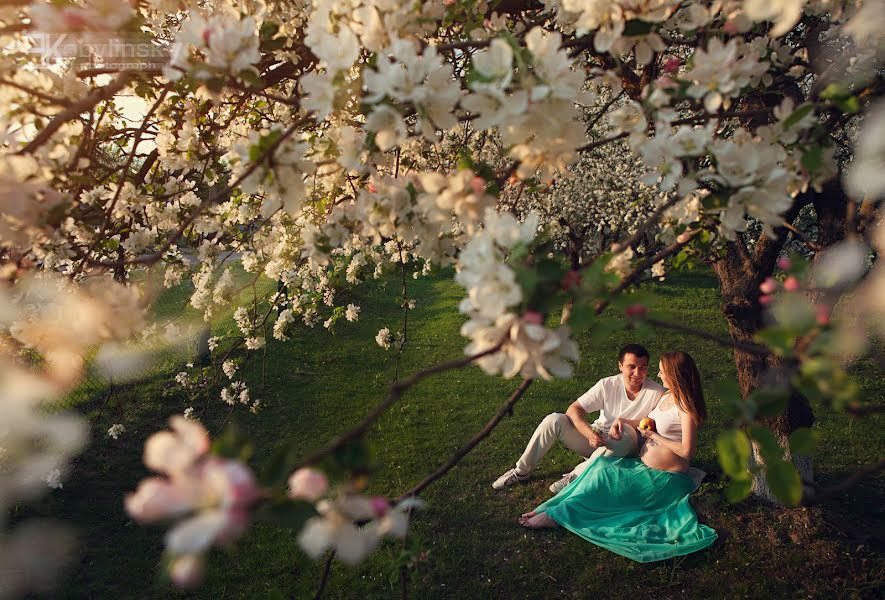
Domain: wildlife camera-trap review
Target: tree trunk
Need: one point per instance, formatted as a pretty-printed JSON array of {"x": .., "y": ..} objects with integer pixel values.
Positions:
[{"x": 740, "y": 274}]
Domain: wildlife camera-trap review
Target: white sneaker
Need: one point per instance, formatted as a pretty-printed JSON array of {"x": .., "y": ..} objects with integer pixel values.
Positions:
[
  {"x": 509, "y": 478},
  {"x": 559, "y": 485}
]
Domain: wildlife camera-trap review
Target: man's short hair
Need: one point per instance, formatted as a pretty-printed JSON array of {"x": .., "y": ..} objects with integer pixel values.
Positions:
[{"x": 636, "y": 349}]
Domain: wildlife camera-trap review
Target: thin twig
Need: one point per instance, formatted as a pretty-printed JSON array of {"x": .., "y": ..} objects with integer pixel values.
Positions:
[
  {"x": 326, "y": 570},
  {"x": 396, "y": 391},
  {"x": 209, "y": 201},
  {"x": 37, "y": 93},
  {"x": 642, "y": 266},
  {"x": 122, "y": 180},
  {"x": 812, "y": 245},
  {"x": 505, "y": 410},
  {"x": 101, "y": 408},
  {"x": 652, "y": 220},
  {"x": 728, "y": 342}
]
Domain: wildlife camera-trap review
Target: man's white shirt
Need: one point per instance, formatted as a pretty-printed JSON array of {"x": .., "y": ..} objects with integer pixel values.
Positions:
[{"x": 609, "y": 397}]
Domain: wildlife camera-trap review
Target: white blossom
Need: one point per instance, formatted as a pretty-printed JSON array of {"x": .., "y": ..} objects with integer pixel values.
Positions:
[
  {"x": 383, "y": 338},
  {"x": 116, "y": 430}
]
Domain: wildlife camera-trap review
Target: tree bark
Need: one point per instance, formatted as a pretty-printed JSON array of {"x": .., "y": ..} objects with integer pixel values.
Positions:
[{"x": 740, "y": 272}]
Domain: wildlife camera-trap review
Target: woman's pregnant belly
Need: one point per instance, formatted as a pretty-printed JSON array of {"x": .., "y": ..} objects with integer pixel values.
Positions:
[{"x": 657, "y": 457}]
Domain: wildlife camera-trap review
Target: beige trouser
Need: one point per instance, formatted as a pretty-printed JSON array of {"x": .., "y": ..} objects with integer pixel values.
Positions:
[{"x": 558, "y": 427}]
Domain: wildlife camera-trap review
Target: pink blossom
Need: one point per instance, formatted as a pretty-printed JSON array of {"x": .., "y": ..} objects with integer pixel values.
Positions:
[
  {"x": 765, "y": 299},
  {"x": 672, "y": 65},
  {"x": 784, "y": 263},
  {"x": 823, "y": 314},
  {"x": 730, "y": 27},
  {"x": 570, "y": 280},
  {"x": 791, "y": 284},
  {"x": 213, "y": 495},
  {"x": 636, "y": 311},
  {"x": 230, "y": 482},
  {"x": 380, "y": 505},
  {"x": 157, "y": 499},
  {"x": 75, "y": 19},
  {"x": 174, "y": 451},
  {"x": 187, "y": 571},
  {"x": 768, "y": 286},
  {"x": 308, "y": 484},
  {"x": 531, "y": 316},
  {"x": 478, "y": 184}
]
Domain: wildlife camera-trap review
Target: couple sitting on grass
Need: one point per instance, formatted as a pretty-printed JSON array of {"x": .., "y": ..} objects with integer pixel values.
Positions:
[{"x": 634, "y": 506}]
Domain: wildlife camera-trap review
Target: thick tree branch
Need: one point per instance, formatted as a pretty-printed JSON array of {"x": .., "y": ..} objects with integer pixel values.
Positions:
[
  {"x": 75, "y": 110},
  {"x": 824, "y": 494}
]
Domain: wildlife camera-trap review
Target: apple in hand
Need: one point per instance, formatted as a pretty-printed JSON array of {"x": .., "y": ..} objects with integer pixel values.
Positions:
[{"x": 647, "y": 423}]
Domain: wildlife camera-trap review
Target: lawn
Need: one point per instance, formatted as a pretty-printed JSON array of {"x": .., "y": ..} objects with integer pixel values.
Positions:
[{"x": 466, "y": 543}]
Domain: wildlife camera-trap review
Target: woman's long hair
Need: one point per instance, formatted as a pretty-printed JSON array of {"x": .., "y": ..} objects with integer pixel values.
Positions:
[{"x": 685, "y": 380}]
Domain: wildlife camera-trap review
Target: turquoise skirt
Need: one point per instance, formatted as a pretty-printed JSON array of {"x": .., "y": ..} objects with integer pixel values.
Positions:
[{"x": 631, "y": 509}]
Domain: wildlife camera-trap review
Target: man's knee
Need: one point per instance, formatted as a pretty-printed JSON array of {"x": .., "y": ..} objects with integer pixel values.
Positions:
[{"x": 555, "y": 422}]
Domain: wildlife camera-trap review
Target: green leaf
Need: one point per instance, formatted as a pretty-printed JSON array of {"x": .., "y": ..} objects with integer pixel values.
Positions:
[
  {"x": 833, "y": 91},
  {"x": 551, "y": 269},
  {"x": 780, "y": 341},
  {"x": 733, "y": 448},
  {"x": 734, "y": 404},
  {"x": 465, "y": 161},
  {"x": 636, "y": 27},
  {"x": 232, "y": 444},
  {"x": 581, "y": 317},
  {"x": 812, "y": 159},
  {"x": 803, "y": 441},
  {"x": 601, "y": 330},
  {"x": 849, "y": 105},
  {"x": 798, "y": 114},
  {"x": 738, "y": 489},
  {"x": 268, "y": 30},
  {"x": 728, "y": 390},
  {"x": 841, "y": 97},
  {"x": 275, "y": 594},
  {"x": 527, "y": 277},
  {"x": 354, "y": 456},
  {"x": 768, "y": 446},
  {"x": 770, "y": 403},
  {"x": 785, "y": 482},
  {"x": 287, "y": 513},
  {"x": 275, "y": 470}
]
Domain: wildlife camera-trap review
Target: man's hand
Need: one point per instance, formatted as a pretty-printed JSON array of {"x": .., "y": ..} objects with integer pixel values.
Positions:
[{"x": 595, "y": 440}]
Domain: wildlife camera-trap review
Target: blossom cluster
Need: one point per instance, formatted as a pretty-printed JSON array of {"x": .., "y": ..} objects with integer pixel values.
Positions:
[
  {"x": 524, "y": 345},
  {"x": 320, "y": 142}
]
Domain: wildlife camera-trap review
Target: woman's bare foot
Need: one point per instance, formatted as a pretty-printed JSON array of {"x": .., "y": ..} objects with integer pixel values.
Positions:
[{"x": 533, "y": 520}]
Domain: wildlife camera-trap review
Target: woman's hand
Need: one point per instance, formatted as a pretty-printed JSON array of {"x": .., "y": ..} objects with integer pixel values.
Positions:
[
  {"x": 648, "y": 434},
  {"x": 615, "y": 431}
]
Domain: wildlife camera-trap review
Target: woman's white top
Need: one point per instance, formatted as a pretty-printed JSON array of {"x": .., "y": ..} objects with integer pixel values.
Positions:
[{"x": 668, "y": 423}]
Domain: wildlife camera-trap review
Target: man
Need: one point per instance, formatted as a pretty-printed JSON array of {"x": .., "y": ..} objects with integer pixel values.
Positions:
[{"x": 628, "y": 395}]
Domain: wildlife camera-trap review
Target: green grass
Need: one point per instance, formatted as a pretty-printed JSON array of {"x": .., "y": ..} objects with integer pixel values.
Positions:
[{"x": 466, "y": 540}]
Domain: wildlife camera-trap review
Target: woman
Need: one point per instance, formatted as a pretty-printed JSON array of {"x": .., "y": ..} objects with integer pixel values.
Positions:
[{"x": 638, "y": 507}]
